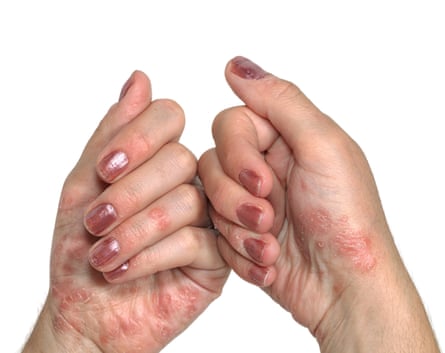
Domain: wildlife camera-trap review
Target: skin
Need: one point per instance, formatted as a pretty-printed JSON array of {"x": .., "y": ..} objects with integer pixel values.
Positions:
[
  {"x": 161, "y": 268},
  {"x": 299, "y": 215}
]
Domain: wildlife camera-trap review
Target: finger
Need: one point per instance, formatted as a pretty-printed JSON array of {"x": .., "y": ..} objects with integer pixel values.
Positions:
[
  {"x": 294, "y": 116},
  {"x": 190, "y": 246},
  {"x": 230, "y": 199},
  {"x": 162, "y": 122},
  {"x": 262, "y": 249},
  {"x": 181, "y": 207},
  {"x": 239, "y": 129},
  {"x": 170, "y": 167},
  {"x": 82, "y": 183},
  {"x": 247, "y": 270}
]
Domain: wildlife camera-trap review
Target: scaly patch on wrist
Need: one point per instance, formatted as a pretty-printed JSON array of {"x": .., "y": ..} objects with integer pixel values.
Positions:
[{"x": 337, "y": 238}]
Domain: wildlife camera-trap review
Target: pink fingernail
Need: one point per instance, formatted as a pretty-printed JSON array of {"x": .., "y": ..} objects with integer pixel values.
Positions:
[
  {"x": 250, "y": 215},
  {"x": 255, "y": 248},
  {"x": 126, "y": 87},
  {"x": 118, "y": 272},
  {"x": 112, "y": 165},
  {"x": 251, "y": 181},
  {"x": 258, "y": 275},
  {"x": 104, "y": 252},
  {"x": 100, "y": 218},
  {"x": 247, "y": 69}
]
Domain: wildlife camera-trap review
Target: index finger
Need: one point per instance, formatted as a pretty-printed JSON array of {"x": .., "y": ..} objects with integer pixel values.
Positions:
[{"x": 241, "y": 137}]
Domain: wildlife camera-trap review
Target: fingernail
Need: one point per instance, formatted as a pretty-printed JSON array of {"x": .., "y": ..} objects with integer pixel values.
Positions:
[
  {"x": 118, "y": 272},
  {"x": 250, "y": 215},
  {"x": 247, "y": 69},
  {"x": 126, "y": 87},
  {"x": 112, "y": 165},
  {"x": 255, "y": 248},
  {"x": 251, "y": 181},
  {"x": 258, "y": 275},
  {"x": 104, "y": 252},
  {"x": 100, "y": 218}
]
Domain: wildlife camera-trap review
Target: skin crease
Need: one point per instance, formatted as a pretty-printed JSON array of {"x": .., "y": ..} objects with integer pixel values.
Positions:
[
  {"x": 328, "y": 256},
  {"x": 141, "y": 310}
]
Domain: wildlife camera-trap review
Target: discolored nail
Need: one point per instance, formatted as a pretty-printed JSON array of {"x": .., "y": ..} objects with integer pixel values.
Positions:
[
  {"x": 104, "y": 252},
  {"x": 118, "y": 272},
  {"x": 100, "y": 218},
  {"x": 112, "y": 165},
  {"x": 247, "y": 69},
  {"x": 255, "y": 248},
  {"x": 258, "y": 275},
  {"x": 250, "y": 215},
  {"x": 251, "y": 181}
]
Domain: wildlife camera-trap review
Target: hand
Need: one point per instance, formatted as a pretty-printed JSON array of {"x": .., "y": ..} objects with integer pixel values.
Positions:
[
  {"x": 299, "y": 213},
  {"x": 132, "y": 189}
]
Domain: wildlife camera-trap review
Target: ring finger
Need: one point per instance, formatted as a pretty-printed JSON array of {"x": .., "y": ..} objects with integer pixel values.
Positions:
[{"x": 190, "y": 246}]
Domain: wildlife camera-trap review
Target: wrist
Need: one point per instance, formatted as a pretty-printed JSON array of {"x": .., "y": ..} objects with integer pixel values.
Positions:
[
  {"x": 380, "y": 313},
  {"x": 52, "y": 336}
]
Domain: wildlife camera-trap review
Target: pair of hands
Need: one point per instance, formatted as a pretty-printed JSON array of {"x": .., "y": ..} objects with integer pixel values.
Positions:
[{"x": 292, "y": 197}]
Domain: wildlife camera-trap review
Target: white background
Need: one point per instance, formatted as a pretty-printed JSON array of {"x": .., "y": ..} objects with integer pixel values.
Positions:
[{"x": 376, "y": 67}]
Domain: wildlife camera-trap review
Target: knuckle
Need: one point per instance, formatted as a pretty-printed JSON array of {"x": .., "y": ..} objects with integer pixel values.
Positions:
[
  {"x": 192, "y": 240},
  {"x": 182, "y": 157},
  {"x": 190, "y": 194},
  {"x": 145, "y": 144},
  {"x": 285, "y": 91},
  {"x": 160, "y": 219},
  {"x": 73, "y": 193},
  {"x": 192, "y": 203},
  {"x": 228, "y": 115},
  {"x": 204, "y": 160},
  {"x": 170, "y": 109}
]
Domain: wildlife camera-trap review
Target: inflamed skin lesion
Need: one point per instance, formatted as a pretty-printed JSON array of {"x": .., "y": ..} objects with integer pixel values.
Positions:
[{"x": 337, "y": 238}]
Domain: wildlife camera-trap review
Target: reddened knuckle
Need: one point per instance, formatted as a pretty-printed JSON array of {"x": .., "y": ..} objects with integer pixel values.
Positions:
[
  {"x": 69, "y": 195},
  {"x": 145, "y": 144},
  {"x": 74, "y": 192}
]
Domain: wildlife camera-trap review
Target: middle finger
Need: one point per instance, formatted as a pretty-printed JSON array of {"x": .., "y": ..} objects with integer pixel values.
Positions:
[{"x": 170, "y": 167}]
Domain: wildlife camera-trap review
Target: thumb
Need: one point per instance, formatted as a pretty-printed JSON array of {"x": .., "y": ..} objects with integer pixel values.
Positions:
[{"x": 281, "y": 102}]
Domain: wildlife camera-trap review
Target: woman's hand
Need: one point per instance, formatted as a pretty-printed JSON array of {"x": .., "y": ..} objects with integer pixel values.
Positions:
[
  {"x": 133, "y": 260},
  {"x": 299, "y": 213}
]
